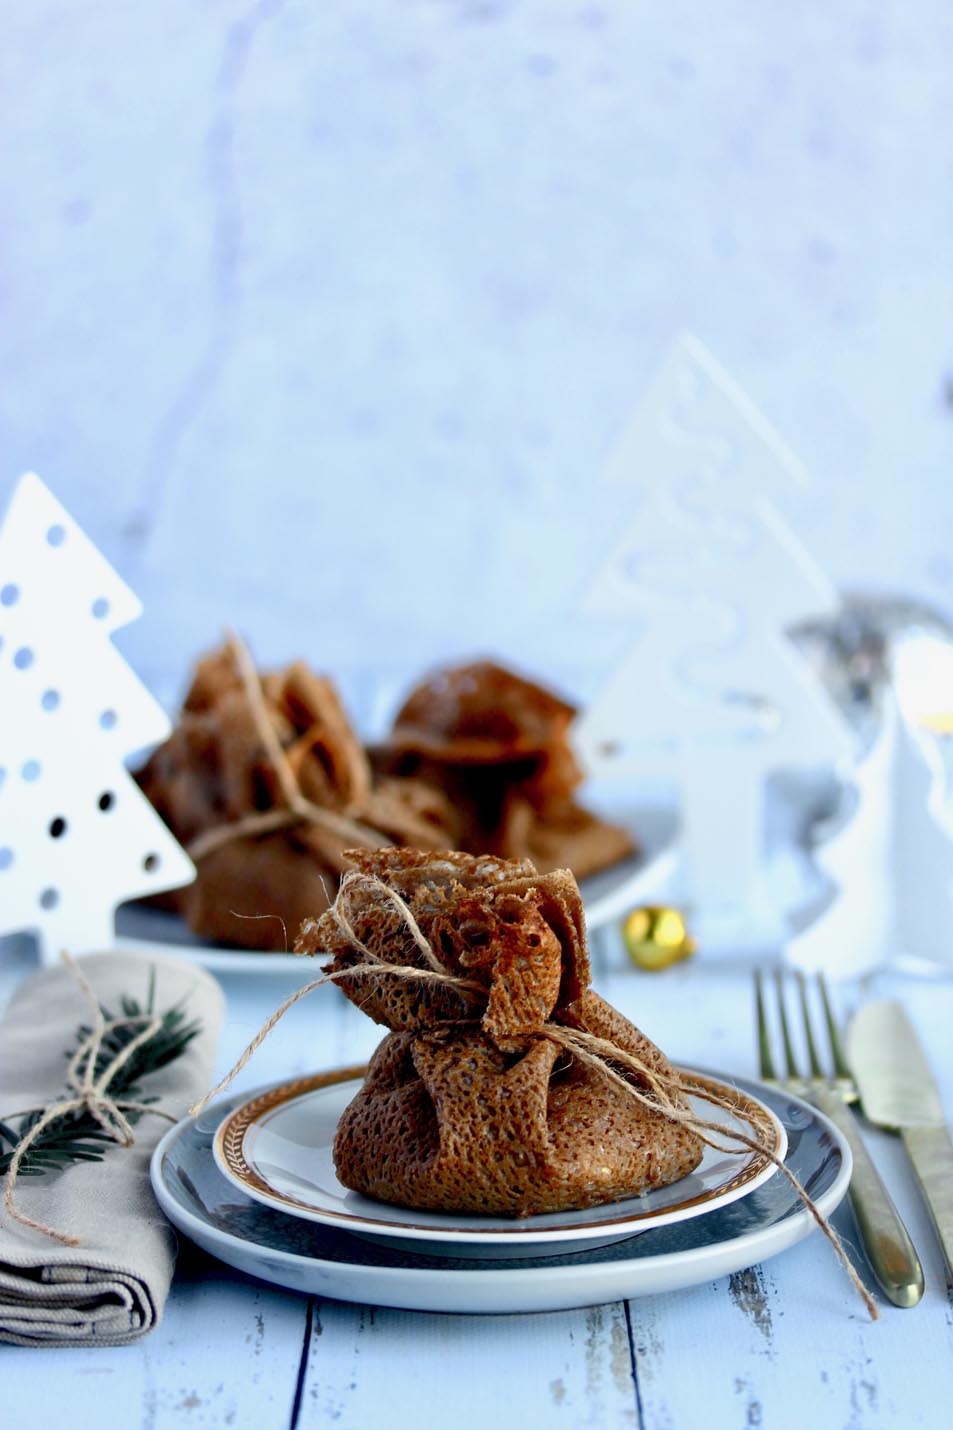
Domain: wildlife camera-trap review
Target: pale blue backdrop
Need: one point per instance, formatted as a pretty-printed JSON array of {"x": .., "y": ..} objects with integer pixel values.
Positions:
[{"x": 321, "y": 318}]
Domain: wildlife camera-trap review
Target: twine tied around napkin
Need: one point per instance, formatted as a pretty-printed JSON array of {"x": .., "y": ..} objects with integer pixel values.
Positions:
[
  {"x": 662, "y": 1092},
  {"x": 106, "y": 1280},
  {"x": 90, "y": 1093}
]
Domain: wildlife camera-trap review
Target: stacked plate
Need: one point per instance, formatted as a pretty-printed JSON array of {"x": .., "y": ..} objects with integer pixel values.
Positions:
[{"x": 252, "y": 1181}]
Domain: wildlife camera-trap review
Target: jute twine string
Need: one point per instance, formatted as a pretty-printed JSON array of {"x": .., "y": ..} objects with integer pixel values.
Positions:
[
  {"x": 666, "y": 1091},
  {"x": 89, "y": 1094},
  {"x": 297, "y": 809},
  {"x": 582, "y": 1046},
  {"x": 371, "y": 964}
]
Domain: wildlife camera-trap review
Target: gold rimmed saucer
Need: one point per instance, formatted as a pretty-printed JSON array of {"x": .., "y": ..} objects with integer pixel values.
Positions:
[{"x": 277, "y": 1148}]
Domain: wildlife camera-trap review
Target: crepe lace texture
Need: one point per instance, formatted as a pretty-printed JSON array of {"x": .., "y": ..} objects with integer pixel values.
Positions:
[
  {"x": 366, "y": 897},
  {"x": 87, "y": 1089}
]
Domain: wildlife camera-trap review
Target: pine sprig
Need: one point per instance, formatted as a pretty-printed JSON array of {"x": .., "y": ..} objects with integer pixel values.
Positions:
[{"x": 77, "y": 1136}]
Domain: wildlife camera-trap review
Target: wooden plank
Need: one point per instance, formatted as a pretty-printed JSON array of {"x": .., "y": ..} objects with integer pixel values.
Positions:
[
  {"x": 788, "y": 1343},
  {"x": 229, "y": 1354},
  {"x": 566, "y": 1369}
]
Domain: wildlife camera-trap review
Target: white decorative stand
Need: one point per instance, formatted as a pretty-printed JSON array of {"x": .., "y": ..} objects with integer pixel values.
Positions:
[
  {"x": 889, "y": 864},
  {"x": 711, "y": 692},
  {"x": 76, "y": 836}
]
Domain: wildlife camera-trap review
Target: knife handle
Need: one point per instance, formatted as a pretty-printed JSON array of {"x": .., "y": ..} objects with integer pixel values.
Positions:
[
  {"x": 931, "y": 1153},
  {"x": 890, "y": 1251}
]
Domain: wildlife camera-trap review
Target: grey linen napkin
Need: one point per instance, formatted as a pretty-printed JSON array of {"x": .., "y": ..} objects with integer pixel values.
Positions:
[{"x": 111, "y": 1288}]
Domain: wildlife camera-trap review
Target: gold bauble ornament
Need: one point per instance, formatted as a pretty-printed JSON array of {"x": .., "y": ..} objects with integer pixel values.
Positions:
[{"x": 655, "y": 937}]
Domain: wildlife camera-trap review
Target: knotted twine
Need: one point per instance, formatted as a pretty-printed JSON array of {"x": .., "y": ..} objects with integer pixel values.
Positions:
[
  {"x": 90, "y": 1094},
  {"x": 665, "y": 1092},
  {"x": 297, "y": 809}
]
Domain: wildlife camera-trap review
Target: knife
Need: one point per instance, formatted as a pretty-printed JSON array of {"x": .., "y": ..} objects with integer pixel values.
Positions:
[{"x": 898, "y": 1092}]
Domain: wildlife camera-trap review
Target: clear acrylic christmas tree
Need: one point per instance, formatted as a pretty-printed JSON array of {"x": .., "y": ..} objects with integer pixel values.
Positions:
[
  {"x": 77, "y": 838},
  {"x": 711, "y": 691}
]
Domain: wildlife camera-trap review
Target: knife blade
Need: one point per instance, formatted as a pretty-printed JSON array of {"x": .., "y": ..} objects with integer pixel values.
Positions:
[{"x": 898, "y": 1092}]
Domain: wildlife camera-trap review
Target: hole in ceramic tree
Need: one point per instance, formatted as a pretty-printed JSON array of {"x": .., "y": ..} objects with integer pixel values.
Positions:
[
  {"x": 58, "y": 827},
  {"x": 49, "y": 898},
  {"x": 106, "y": 801},
  {"x": 151, "y": 863}
]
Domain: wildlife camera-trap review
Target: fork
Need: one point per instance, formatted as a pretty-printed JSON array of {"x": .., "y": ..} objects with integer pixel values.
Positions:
[{"x": 890, "y": 1251}]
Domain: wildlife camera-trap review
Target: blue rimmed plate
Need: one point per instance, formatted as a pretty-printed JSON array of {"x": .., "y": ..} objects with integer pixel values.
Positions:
[{"x": 325, "y": 1261}]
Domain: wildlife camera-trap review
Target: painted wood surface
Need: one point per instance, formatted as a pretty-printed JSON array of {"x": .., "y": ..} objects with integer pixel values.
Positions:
[{"x": 778, "y": 1345}]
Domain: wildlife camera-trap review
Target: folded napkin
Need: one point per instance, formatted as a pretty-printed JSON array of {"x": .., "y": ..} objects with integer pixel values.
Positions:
[{"x": 110, "y": 1289}]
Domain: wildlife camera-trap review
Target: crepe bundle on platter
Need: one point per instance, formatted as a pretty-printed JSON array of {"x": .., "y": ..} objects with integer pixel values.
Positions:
[
  {"x": 479, "y": 759},
  {"x": 477, "y": 1100},
  {"x": 497, "y": 746},
  {"x": 214, "y": 773}
]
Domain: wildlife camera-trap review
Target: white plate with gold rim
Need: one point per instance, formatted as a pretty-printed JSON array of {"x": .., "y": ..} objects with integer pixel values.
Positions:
[{"x": 276, "y": 1147}]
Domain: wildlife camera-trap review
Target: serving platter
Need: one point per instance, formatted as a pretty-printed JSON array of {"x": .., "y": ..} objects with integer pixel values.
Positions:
[
  {"x": 276, "y": 1147},
  {"x": 143, "y": 929},
  {"x": 140, "y": 929},
  {"x": 650, "y": 876},
  {"x": 327, "y": 1261}
]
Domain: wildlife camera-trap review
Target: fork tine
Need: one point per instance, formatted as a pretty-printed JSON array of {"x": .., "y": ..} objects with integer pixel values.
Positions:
[
  {"x": 837, "y": 1050},
  {"x": 766, "y": 1061},
  {"x": 789, "y": 1054},
  {"x": 812, "y": 1054}
]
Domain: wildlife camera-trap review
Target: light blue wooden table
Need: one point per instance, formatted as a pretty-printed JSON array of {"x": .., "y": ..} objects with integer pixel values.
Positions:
[{"x": 779, "y": 1345}]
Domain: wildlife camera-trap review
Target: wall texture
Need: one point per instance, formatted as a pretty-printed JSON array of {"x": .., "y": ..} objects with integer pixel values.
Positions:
[{"x": 321, "y": 318}]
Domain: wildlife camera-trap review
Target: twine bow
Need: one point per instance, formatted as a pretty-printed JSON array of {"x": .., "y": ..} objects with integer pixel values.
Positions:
[
  {"x": 660, "y": 1092},
  {"x": 90, "y": 1093}
]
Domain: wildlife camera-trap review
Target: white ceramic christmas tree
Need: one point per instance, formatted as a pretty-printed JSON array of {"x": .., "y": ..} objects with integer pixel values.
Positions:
[
  {"x": 711, "y": 690},
  {"x": 889, "y": 862},
  {"x": 695, "y": 419},
  {"x": 77, "y": 838}
]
